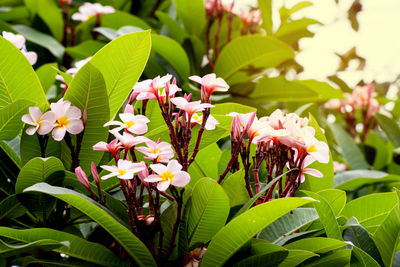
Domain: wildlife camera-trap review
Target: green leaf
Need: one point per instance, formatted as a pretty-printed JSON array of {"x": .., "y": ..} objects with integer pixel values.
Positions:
[
  {"x": 11, "y": 149},
  {"x": 192, "y": 14},
  {"x": 266, "y": 14},
  {"x": 336, "y": 199},
  {"x": 175, "y": 31},
  {"x": 382, "y": 148},
  {"x": 87, "y": 91},
  {"x": 260, "y": 51},
  {"x": 371, "y": 210},
  {"x": 350, "y": 151},
  {"x": 85, "y": 49},
  {"x": 326, "y": 215},
  {"x": 296, "y": 256},
  {"x": 387, "y": 236},
  {"x": 44, "y": 244},
  {"x": 51, "y": 14},
  {"x": 120, "y": 19},
  {"x": 235, "y": 187},
  {"x": 47, "y": 75},
  {"x": 10, "y": 207},
  {"x": 17, "y": 78},
  {"x": 390, "y": 127},
  {"x": 350, "y": 180},
  {"x": 208, "y": 211},
  {"x": 78, "y": 247},
  {"x": 272, "y": 258},
  {"x": 129, "y": 241},
  {"x": 337, "y": 258},
  {"x": 291, "y": 32},
  {"x": 360, "y": 258},
  {"x": 10, "y": 118},
  {"x": 316, "y": 244},
  {"x": 242, "y": 228},
  {"x": 173, "y": 53},
  {"x": 121, "y": 62},
  {"x": 41, "y": 39},
  {"x": 288, "y": 224}
]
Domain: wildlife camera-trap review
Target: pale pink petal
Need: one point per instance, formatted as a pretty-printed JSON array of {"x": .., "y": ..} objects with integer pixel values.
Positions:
[
  {"x": 125, "y": 117},
  {"x": 73, "y": 113},
  {"x": 31, "y": 130},
  {"x": 58, "y": 133},
  {"x": 195, "y": 78},
  {"x": 174, "y": 166},
  {"x": 28, "y": 119},
  {"x": 181, "y": 179},
  {"x": 35, "y": 113},
  {"x": 45, "y": 127},
  {"x": 124, "y": 164},
  {"x": 313, "y": 172},
  {"x": 75, "y": 126},
  {"x": 126, "y": 176},
  {"x": 162, "y": 186},
  {"x": 152, "y": 178},
  {"x": 109, "y": 175},
  {"x": 138, "y": 128},
  {"x": 158, "y": 168},
  {"x": 31, "y": 56},
  {"x": 49, "y": 116},
  {"x": 100, "y": 146},
  {"x": 112, "y": 123},
  {"x": 109, "y": 168}
]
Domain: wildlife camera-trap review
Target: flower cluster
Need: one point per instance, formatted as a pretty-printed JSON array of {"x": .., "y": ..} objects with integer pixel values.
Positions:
[
  {"x": 283, "y": 141},
  {"x": 362, "y": 99},
  {"x": 88, "y": 10},
  {"x": 62, "y": 118},
  {"x": 19, "y": 41}
]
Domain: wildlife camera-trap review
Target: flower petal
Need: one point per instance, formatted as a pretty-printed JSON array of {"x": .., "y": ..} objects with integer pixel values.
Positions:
[
  {"x": 181, "y": 179},
  {"x": 58, "y": 133}
]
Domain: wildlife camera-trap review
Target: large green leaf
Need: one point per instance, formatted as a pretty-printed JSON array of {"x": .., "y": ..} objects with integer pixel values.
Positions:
[
  {"x": 288, "y": 224},
  {"x": 121, "y": 62},
  {"x": 175, "y": 30},
  {"x": 266, "y": 14},
  {"x": 390, "y": 127},
  {"x": 382, "y": 148},
  {"x": 51, "y": 14},
  {"x": 326, "y": 215},
  {"x": 85, "y": 49},
  {"x": 10, "y": 118},
  {"x": 336, "y": 199},
  {"x": 371, "y": 210},
  {"x": 78, "y": 247},
  {"x": 349, "y": 149},
  {"x": 294, "y": 30},
  {"x": 272, "y": 258},
  {"x": 129, "y": 241},
  {"x": 261, "y": 51},
  {"x": 387, "y": 236},
  {"x": 337, "y": 258},
  {"x": 360, "y": 258},
  {"x": 44, "y": 244},
  {"x": 10, "y": 207},
  {"x": 242, "y": 228},
  {"x": 192, "y": 14},
  {"x": 208, "y": 211},
  {"x": 41, "y": 39},
  {"x": 296, "y": 256},
  {"x": 17, "y": 78},
  {"x": 235, "y": 187},
  {"x": 88, "y": 92},
  {"x": 350, "y": 180},
  {"x": 119, "y": 19},
  {"x": 47, "y": 75},
  {"x": 317, "y": 244},
  {"x": 172, "y": 52}
]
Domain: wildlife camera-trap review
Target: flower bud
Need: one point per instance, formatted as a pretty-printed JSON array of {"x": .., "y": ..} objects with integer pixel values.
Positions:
[
  {"x": 82, "y": 178},
  {"x": 95, "y": 173}
]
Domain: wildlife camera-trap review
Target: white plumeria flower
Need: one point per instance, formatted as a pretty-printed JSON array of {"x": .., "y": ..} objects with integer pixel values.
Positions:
[
  {"x": 68, "y": 119},
  {"x": 189, "y": 107},
  {"x": 317, "y": 149},
  {"x": 160, "y": 151},
  {"x": 19, "y": 41},
  {"x": 125, "y": 169},
  {"x": 171, "y": 174},
  {"x": 198, "y": 119},
  {"x": 210, "y": 83},
  {"x": 136, "y": 124},
  {"x": 152, "y": 88},
  {"x": 42, "y": 123},
  {"x": 128, "y": 140},
  {"x": 88, "y": 10}
]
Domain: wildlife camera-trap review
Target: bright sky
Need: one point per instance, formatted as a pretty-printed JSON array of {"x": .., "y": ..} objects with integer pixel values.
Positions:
[{"x": 377, "y": 40}]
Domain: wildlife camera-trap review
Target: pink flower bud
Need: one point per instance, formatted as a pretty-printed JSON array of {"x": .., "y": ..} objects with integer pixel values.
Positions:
[
  {"x": 95, "y": 173},
  {"x": 82, "y": 178}
]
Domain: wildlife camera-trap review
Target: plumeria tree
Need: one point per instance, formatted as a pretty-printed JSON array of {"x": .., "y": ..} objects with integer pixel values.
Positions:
[{"x": 187, "y": 145}]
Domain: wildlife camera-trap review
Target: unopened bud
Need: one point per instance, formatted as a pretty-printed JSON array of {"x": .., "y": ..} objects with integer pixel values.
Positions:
[
  {"x": 95, "y": 174},
  {"x": 82, "y": 178}
]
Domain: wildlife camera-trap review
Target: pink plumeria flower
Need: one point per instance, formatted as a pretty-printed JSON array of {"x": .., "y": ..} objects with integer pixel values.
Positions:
[
  {"x": 339, "y": 167},
  {"x": 165, "y": 176},
  {"x": 68, "y": 119},
  {"x": 82, "y": 178},
  {"x": 19, "y": 41},
  {"x": 211, "y": 122},
  {"x": 136, "y": 124},
  {"x": 88, "y": 10},
  {"x": 152, "y": 88},
  {"x": 159, "y": 151},
  {"x": 113, "y": 147},
  {"x": 128, "y": 140},
  {"x": 316, "y": 149},
  {"x": 210, "y": 83},
  {"x": 42, "y": 123},
  {"x": 190, "y": 107},
  {"x": 125, "y": 169},
  {"x": 303, "y": 170}
]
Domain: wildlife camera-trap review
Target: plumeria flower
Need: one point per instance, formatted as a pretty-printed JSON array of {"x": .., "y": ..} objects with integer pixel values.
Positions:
[
  {"x": 189, "y": 107},
  {"x": 152, "y": 88},
  {"x": 136, "y": 124},
  {"x": 165, "y": 176},
  {"x": 125, "y": 169},
  {"x": 19, "y": 41},
  {"x": 210, "y": 83},
  {"x": 68, "y": 119},
  {"x": 159, "y": 151},
  {"x": 303, "y": 170},
  {"x": 82, "y": 178},
  {"x": 113, "y": 147},
  {"x": 198, "y": 119},
  {"x": 42, "y": 123},
  {"x": 339, "y": 167},
  {"x": 88, "y": 10},
  {"x": 317, "y": 149},
  {"x": 128, "y": 140}
]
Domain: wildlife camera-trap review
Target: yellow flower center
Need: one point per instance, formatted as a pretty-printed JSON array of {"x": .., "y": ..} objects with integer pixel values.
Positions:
[
  {"x": 166, "y": 176},
  {"x": 312, "y": 149},
  {"x": 121, "y": 172},
  {"x": 129, "y": 124},
  {"x": 39, "y": 122},
  {"x": 155, "y": 151},
  {"x": 62, "y": 122}
]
